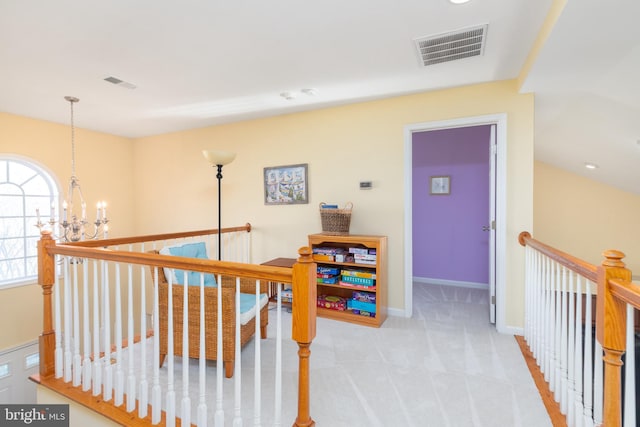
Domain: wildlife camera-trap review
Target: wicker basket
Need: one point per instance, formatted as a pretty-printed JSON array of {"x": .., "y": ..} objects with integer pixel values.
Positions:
[{"x": 336, "y": 221}]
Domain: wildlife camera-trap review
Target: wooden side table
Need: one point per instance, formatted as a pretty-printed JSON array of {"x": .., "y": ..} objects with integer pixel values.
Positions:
[{"x": 278, "y": 262}]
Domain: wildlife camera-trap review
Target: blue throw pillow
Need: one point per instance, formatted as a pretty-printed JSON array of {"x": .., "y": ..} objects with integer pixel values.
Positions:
[{"x": 192, "y": 250}]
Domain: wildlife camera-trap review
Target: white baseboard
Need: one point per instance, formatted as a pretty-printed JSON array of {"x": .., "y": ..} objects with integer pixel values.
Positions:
[
  {"x": 445, "y": 282},
  {"x": 511, "y": 330},
  {"x": 396, "y": 312}
]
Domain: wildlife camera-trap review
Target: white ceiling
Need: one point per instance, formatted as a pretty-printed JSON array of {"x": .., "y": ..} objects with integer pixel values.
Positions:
[{"x": 203, "y": 62}]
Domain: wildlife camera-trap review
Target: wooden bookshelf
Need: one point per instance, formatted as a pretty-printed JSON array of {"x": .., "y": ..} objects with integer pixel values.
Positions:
[{"x": 378, "y": 267}]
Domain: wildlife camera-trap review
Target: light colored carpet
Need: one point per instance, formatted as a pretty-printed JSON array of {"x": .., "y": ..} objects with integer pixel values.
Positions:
[{"x": 445, "y": 366}]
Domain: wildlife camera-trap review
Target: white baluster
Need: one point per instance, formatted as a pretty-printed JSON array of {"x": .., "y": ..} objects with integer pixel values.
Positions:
[
  {"x": 563, "y": 343},
  {"x": 630, "y": 371},
  {"x": 119, "y": 377},
  {"x": 529, "y": 304},
  {"x": 131, "y": 376},
  {"x": 527, "y": 290},
  {"x": 107, "y": 390},
  {"x": 68, "y": 355},
  {"x": 257, "y": 385},
  {"x": 86, "y": 329},
  {"x": 186, "y": 401},
  {"x": 579, "y": 408},
  {"x": 202, "y": 363},
  {"x": 171, "y": 394},
  {"x": 156, "y": 405},
  {"x": 237, "y": 419},
  {"x": 97, "y": 365},
  {"x": 536, "y": 315},
  {"x": 219, "y": 416},
  {"x": 143, "y": 396},
  {"x": 548, "y": 321},
  {"x": 58, "y": 321},
  {"x": 557, "y": 373},
  {"x": 588, "y": 358},
  {"x": 571, "y": 384},
  {"x": 278, "y": 375},
  {"x": 77, "y": 359},
  {"x": 248, "y": 240}
]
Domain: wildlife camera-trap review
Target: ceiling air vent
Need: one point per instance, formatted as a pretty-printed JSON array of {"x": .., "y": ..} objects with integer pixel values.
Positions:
[
  {"x": 451, "y": 46},
  {"x": 118, "y": 82}
]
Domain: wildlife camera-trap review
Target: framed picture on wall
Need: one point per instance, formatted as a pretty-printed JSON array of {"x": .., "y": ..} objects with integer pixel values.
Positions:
[
  {"x": 440, "y": 185},
  {"x": 286, "y": 185}
]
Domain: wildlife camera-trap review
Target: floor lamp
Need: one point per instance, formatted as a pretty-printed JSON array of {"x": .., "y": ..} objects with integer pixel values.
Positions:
[{"x": 219, "y": 159}]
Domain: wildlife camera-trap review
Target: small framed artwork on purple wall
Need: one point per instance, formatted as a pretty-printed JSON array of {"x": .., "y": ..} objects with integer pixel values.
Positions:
[{"x": 440, "y": 185}]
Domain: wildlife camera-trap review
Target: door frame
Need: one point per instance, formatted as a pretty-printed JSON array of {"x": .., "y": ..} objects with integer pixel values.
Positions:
[{"x": 500, "y": 120}]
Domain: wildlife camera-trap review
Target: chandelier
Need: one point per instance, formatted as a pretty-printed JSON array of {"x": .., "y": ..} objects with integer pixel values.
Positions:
[{"x": 74, "y": 227}]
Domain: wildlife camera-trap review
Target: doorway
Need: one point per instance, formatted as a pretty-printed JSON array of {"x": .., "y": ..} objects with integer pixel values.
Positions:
[{"x": 496, "y": 228}]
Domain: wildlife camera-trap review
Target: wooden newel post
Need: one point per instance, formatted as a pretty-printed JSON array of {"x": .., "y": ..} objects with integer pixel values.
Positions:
[
  {"x": 303, "y": 329},
  {"x": 46, "y": 279},
  {"x": 611, "y": 318}
]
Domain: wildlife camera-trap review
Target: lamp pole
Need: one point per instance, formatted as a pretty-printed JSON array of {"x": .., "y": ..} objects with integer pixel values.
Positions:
[
  {"x": 219, "y": 176},
  {"x": 218, "y": 159}
]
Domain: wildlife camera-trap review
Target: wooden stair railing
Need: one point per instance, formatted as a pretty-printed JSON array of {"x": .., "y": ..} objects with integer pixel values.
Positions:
[
  {"x": 614, "y": 291},
  {"x": 301, "y": 276}
]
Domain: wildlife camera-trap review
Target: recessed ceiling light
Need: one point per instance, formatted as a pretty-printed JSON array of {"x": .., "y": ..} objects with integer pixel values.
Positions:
[
  {"x": 309, "y": 91},
  {"x": 459, "y": 1},
  {"x": 288, "y": 95},
  {"x": 591, "y": 166}
]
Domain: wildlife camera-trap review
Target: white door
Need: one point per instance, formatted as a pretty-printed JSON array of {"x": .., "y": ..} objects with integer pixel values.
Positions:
[
  {"x": 16, "y": 366},
  {"x": 493, "y": 147}
]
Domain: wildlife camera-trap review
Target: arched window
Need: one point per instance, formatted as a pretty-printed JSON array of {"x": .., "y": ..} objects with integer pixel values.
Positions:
[{"x": 27, "y": 191}]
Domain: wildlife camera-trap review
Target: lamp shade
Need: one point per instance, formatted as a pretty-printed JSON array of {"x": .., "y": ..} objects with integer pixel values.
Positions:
[{"x": 216, "y": 157}]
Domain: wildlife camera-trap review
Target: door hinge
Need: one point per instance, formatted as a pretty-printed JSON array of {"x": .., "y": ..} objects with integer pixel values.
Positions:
[
  {"x": 494, "y": 149},
  {"x": 493, "y": 224},
  {"x": 493, "y": 299}
]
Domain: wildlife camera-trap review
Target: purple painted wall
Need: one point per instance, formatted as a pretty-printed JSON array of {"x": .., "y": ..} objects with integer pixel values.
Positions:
[{"x": 448, "y": 241}]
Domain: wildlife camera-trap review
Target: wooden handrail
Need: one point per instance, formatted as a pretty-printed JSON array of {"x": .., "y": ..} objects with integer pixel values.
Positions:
[
  {"x": 265, "y": 272},
  {"x": 626, "y": 291},
  {"x": 577, "y": 265},
  {"x": 157, "y": 237}
]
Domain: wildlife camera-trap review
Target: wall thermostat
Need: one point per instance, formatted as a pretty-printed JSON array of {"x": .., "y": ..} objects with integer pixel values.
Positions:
[{"x": 366, "y": 185}]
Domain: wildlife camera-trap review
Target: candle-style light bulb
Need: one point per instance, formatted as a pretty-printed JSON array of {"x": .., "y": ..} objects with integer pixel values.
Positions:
[{"x": 104, "y": 210}]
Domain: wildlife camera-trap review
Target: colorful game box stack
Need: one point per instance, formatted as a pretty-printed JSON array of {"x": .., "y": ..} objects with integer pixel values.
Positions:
[
  {"x": 361, "y": 279},
  {"x": 286, "y": 295},
  {"x": 362, "y": 303},
  {"x": 327, "y": 253},
  {"x": 328, "y": 275},
  {"x": 332, "y": 302},
  {"x": 363, "y": 255}
]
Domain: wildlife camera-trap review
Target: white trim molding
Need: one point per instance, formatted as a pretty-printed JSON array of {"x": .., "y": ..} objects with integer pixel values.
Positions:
[
  {"x": 445, "y": 282},
  {"x": 500, "y": 120}
]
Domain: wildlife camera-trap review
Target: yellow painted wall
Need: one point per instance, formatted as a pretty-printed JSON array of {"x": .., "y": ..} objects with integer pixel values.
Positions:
[
  {"x": 176, "y": 189},
  {"x": 584, "y": 217},
  {"x": 104, "y": 166}
]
